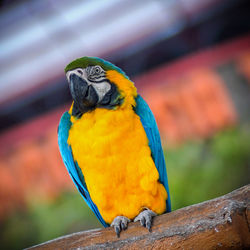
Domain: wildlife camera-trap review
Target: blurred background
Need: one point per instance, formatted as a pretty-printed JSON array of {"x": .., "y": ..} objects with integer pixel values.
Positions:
[{"x": 189, "y": 59}]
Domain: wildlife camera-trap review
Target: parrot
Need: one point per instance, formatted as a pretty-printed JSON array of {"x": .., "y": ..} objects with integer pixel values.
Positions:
[{"x": 110, "y": 144}]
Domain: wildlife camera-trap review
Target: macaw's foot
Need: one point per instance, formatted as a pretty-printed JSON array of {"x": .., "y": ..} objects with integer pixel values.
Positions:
[
  {"x": 120, "y": 223},
  {"x": 146, "y": 218}
]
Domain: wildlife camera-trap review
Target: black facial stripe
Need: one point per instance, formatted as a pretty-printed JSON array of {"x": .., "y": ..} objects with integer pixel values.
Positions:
[
  {"x": 97, "y": 75},
  {"x": 95, "y": 81}
]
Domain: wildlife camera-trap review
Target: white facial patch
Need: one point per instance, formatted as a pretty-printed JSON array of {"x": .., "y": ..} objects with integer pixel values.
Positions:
[{"x": 101, "y": 89}]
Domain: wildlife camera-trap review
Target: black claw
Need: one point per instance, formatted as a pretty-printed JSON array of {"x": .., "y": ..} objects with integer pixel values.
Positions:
[
  {"x": 117, "y": 230},
  {"x": 148, "y": 225},
  {"x": 123, "y": 226},
  {"x": 143, "y": 221}
]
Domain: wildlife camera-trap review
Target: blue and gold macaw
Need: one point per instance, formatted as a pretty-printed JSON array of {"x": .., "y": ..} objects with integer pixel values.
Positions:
[{"x": 111, "y": 147}]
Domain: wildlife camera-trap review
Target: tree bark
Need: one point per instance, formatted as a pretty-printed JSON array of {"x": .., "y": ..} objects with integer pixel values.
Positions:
[{"x": 221, "y": 223}]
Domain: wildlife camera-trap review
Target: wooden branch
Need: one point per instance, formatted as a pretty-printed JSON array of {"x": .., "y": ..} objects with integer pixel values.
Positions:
[{"x": 219, "y": 223}]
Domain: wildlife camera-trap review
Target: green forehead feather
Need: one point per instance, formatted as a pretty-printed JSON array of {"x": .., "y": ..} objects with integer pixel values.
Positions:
[{"x": 84, "y": 62}]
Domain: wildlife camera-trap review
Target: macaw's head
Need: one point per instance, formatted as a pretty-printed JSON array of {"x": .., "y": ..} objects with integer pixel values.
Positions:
[{"x": 94, "y": 83}]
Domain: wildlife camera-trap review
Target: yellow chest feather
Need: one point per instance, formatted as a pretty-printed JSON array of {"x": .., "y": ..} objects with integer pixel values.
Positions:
[{"x": 111, "y": 148}]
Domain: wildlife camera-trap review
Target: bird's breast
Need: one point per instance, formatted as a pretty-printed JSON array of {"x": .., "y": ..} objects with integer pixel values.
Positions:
[{"x": 111, "y": 148}]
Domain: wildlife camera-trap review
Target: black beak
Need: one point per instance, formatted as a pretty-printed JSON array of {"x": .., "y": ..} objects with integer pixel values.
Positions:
[{"x": 83, "y": 94}]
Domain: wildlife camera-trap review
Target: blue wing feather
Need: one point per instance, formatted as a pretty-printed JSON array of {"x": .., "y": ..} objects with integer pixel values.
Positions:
[
  {"x": 151, "y": 129},
  {"x": 72, "y": 166}
]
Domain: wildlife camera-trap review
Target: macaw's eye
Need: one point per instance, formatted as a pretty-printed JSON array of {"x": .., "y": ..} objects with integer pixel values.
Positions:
[{"x": 97, "y": 70}]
